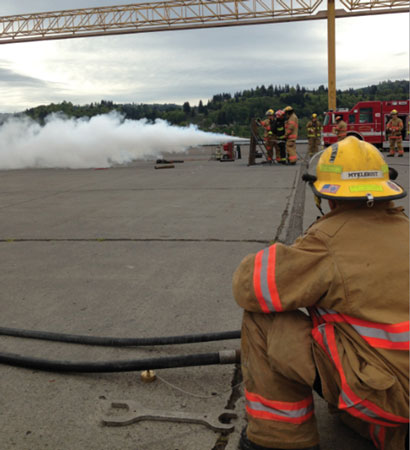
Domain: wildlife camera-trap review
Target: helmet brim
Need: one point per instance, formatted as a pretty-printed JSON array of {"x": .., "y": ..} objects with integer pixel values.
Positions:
[{"x": 359, "y": 190}]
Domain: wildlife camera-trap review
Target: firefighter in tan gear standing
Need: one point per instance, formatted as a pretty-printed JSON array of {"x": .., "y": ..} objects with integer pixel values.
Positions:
[
  {"x": 340, "y": 130},
  {"x": 394, "y": 127},
  {"x": 291, "y": 133},
  {"x": 280, "y": 136},
  {"x": 268, "y": 136},
  {"x": 351, "y": 271},
  {"x": 314, "y": 133}
]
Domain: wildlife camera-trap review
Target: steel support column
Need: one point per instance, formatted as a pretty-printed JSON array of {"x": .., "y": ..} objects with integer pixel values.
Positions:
[{"x": 331, "y": 54}]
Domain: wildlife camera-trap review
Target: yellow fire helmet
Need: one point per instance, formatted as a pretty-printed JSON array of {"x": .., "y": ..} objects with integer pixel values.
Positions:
[
  {"x": 314, "y": 115},
  {"x": 394, "y": 111},
  {"x": 354, "y": 170},
  {"x": 288, "y": 108},
  {"x": 269, "y": 112}
]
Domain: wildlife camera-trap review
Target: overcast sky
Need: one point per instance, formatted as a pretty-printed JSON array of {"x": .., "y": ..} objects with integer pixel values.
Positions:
[{"x": 193, "y": 65}]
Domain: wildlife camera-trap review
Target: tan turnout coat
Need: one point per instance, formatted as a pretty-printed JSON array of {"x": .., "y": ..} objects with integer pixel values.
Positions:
[{"x": 351, "y": 270}]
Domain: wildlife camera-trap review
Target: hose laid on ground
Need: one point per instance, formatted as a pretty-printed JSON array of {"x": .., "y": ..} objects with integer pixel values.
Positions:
[
  {"x": 120, "y": 342},
  {"x": 204, "y": 359}
]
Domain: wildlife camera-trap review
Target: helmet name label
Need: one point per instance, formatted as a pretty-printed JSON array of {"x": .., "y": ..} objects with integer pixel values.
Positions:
[
  {"x": 362, "y": 174},
  {"x": 365, "y": 188}
]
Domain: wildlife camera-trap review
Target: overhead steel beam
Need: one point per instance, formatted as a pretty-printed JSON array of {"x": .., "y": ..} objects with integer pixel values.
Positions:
[
  {"x": 154, "y": 16},
  {"x": 354, "y": 5},
  {"x": 174, "y": 15}
]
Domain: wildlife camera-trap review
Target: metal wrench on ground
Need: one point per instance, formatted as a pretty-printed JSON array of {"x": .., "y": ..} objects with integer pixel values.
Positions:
[{"x": 135, "y": 412}]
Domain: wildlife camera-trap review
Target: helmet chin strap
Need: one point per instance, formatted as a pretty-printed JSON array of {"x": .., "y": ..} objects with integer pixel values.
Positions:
[{"x": 318, "y": 202}]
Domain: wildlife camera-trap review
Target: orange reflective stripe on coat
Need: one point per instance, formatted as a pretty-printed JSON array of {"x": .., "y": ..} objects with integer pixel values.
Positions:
[
  {"x": 290, "y": 412},
  {"x": 264, "y": 281},
  {"x": 363, "y": 409},
  {"x": 378, "y": 335}
]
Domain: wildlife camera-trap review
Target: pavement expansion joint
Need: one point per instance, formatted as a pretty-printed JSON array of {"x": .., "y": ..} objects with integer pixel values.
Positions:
[
  {"x": 259, "y": 241},
  {"x": 295, "y": 228},
  {"x": 236, "y": 394}
]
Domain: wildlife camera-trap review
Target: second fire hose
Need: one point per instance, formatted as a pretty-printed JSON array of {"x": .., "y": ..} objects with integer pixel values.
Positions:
[
  {"x": 221, "y": 357},
  {"x": 201, "y": 359}
]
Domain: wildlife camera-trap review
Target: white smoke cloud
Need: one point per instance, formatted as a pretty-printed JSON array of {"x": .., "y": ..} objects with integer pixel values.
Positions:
[{"x": 100, "y": 141}]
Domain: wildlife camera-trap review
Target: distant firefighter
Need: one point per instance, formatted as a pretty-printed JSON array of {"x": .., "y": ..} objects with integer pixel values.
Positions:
[
  {"x": 280, "y": 136},
  {"x": 394, "y": 128},
  {"x": 269, "y": 138},
  {"x": 340, "y": 130},
  {"x": 314, "y": 133},
  {"x": 291, "y": 133}
]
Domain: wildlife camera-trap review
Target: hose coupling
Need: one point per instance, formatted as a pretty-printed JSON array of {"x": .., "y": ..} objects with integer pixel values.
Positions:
[{"x": 229, "y": 356}]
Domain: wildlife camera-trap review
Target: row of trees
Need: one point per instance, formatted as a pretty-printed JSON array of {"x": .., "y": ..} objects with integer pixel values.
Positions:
[{"x": 227, "y": 113}]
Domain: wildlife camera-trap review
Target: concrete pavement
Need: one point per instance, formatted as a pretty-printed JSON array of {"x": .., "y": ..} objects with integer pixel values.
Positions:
[{"x": 135, "y": 252}]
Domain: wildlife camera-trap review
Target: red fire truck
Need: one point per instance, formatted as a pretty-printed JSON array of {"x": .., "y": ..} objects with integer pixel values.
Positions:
[{"x": 367, "y": 121}]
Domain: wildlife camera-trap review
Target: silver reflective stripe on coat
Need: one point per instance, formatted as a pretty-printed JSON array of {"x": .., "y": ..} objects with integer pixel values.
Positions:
[{"x": 264, "y": 280}]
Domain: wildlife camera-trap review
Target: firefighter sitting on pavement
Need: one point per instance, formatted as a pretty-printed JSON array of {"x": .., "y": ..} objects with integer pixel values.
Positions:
[
  {"x": 394, "y": 127},
  {"x": 340, "y": 130},
  {"x": 291, "y": 133},
  {"x": 268, "y": 136},
  {"x": 314, "y": 134},
  {"x": 280, "y": 136},
  {"x": 351, "y": 271}
]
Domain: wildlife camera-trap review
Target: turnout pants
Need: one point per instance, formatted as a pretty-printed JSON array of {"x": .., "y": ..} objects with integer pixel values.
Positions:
[
  {"x": 313, "y": 145},
  {"x": 279, "y": 372},
  {"x": 269, "y": 144},
  {"x": 291, "y": 150},
  {"x": 396, "y": 142},
  {"x": 281, "y": 155}
]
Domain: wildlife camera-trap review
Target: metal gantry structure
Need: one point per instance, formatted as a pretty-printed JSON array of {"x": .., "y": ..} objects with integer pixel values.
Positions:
[{"x": 187, "y": 15}]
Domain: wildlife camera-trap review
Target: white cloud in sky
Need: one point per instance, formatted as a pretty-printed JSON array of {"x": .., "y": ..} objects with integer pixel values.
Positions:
[{"x": 179, "y": 66}]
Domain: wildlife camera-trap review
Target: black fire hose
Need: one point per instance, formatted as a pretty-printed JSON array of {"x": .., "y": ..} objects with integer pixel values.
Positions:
[
  {"x": 120, "y": 342},
  {"x": 204, "y": 359}
]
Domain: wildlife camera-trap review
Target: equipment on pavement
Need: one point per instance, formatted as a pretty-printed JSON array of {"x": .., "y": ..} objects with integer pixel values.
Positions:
[
  {"x": 134, "y": 413},
  {"x": 164, "y": 161},
  {"x": 255, "y": 142},
  {"x": 167, "y": 166},
  {"x": 229, "y": 153}
]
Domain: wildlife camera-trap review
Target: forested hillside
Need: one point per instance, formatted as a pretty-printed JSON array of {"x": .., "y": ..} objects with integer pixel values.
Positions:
[{"x": 228, "y": 112}]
